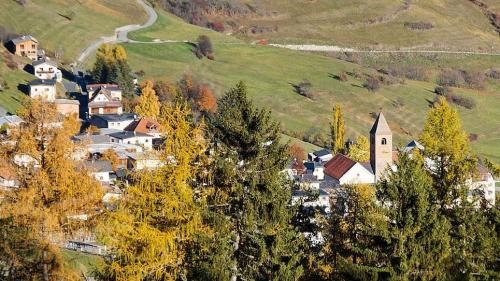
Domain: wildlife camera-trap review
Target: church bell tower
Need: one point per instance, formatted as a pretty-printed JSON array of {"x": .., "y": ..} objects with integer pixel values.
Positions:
[{"x": 380, "y": 147}]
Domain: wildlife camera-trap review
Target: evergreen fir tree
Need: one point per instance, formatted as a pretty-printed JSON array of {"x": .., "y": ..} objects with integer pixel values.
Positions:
[
  {"x": 419, "y": 242},
  {"x": 251, "y": 199},
  {"x": 357, "y": 237}
]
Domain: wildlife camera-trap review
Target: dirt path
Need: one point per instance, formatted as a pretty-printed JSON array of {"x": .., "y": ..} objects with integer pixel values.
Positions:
[
  {"x": 327, "y": 48},
  {"x": 121, "y": 33}
]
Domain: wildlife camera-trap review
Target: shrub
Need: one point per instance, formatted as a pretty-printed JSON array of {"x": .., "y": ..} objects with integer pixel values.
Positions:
[
  {"x": 217, "y": 26},
  {"x": 204, "y": 47},
  {"x": 442, "y": 90},
  {"x": 450, "y": 77},
  {"x": 343, "y": 77},
  {"x": 304, "y": 88},
  {"x": 493, "y": 73},
  {"x": 473, "y": 137},
  {"x": 372, "y": 84},
  {"x": 473, "y": 79},
  {"x": 419, "y": 25},
  {"x": 461, "y": 101}
]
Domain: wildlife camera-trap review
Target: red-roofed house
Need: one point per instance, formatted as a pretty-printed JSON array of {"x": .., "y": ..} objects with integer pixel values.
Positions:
[
  {"x": 145, "y": 126},
  {"x": 347, "y": 171}
]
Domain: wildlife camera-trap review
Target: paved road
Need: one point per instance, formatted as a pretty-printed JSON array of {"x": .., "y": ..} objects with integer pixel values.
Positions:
[{"x": 121, "y": 33}]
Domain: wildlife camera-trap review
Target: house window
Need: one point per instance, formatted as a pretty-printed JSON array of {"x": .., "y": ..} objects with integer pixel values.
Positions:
[
  {"x": 384, "y": 141},
  {"x": 22, "y": 46},
  {"x": 33, "y": 46}
]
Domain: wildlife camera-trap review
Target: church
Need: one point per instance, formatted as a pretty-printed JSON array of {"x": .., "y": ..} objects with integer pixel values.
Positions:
[{"x": 330, "y": 171}]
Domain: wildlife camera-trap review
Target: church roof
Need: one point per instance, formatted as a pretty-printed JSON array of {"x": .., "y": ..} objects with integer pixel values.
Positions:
[
  {"x": 338, "y": 166},
  {"x": 380, "y": 126}
]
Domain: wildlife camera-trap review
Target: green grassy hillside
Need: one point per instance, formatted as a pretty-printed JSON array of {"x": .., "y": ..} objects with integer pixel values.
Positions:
[
  {"x": 270, "y": 73},
  {"x": 91, "y": 19},
  {"x": 458, "y": 24}
]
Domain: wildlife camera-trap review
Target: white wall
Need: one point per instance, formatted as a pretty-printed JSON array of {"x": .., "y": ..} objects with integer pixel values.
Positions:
[
  {"x": 120, "y": 125},
  {"x": 356, "y": 175},
  {"x": 146, "y": 142},
  {"x": 101, "y": 176},
  {"x": 44, "y": 91}
]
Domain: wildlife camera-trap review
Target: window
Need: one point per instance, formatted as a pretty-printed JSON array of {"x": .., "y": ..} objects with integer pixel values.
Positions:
[
  {"x": 33, "y": 46},
  {"x": 22, "y": 46},
  {"x": 384, "y": 141}
]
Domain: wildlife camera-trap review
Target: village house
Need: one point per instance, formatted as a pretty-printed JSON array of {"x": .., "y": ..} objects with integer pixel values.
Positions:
[
  {"x": 9, "y": 122},
  {"x": 321, "y": 156},
  {"x": 26, "y": 46},
  {"x": 99, "y": 169},
  {"x": 47, "y": 69},
  {"x": 144, "y": 161},
  {"x": 114, "y": 89},
  {"x": 67, "y": 107},
  {"x": 126, "y": 137},
  {"x": 145, "y": 126},
  {"x": 113, "y": 121},
  {"x": 104, "y": 102},
  {"x": 43, "y": 88},
  {"x": 347, "y": 171}
]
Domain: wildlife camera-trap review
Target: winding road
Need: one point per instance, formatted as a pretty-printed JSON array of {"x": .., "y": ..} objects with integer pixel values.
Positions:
[{"x": 121, "y": 33}]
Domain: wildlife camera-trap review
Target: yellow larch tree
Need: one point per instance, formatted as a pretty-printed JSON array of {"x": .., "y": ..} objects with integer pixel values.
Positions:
[
  {"x": 337, "y": 130},
  {"x": 158, "y": 216},
  {"x": 148, "y": 104},
  {"x": 54, "y": 199}
]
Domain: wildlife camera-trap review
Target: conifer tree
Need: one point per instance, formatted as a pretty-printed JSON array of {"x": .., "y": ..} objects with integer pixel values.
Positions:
[
  {"x": 157, "y": 217},
  {"x": 360, "y": 150},
  {"x": 357, "y": 237},
  {"x": 419, "y": 241},
  {"x": 337, "y": 130},
  {"x": 54, "y": 200},
  {"x": 111, "y": 66},
  {"x": 251, "y": 199},
  {"x": 148, "y": 104}
]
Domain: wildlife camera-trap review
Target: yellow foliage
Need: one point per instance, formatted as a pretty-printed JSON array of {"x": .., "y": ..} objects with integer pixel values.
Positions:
[{"x": 148, "y": 104}]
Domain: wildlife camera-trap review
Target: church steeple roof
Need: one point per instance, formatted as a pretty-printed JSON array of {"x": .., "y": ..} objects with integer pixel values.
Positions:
[{"x": 380, "y": 126}]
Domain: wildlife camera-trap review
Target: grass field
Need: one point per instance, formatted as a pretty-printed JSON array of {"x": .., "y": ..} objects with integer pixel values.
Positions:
[
  {"x": 91, "y": 19},
  {"x": 81, "y": 262},
  {"x": 10, "y": 98},
  {"x": 270, "y": 73},
  {"x": 458, "y": 24}
]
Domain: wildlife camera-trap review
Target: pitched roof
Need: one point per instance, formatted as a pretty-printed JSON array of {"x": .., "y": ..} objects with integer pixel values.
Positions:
[
  {"x": 144, "y": 125},
  {"x": 105, "y": 104},
  {"x": 8, "y": 173},
  {"x": 380, "y": 126},
  {"x": 338, "y": 166},
  {"x": 115, "y": 117},
  {"x": 98, "y": 166},
  {"x": 44, "y": 60},
  {"x": 24, "y": 38},
  {"x": 322, "y": 152},
  {"x": 127, "y": 135},
  {"x": 47, "y": 82},
  {"x": 10, "y": 119},
  {"x": 112, "y": 87}
]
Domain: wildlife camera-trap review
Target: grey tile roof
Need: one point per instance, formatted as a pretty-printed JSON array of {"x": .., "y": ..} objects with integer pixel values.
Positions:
[
  {"x": 98, "y": 166},
  {"x": 116, "y": 117},
  {"x": 44, "y": 60},
  {"x": 23, "y": 38},
  {"x": 127, "y": 135},
  {"x": 10, "y": 119},
  {"x": 38, "y": 82}
]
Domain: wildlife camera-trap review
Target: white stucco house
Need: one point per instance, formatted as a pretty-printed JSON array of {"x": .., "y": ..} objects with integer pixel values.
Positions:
[
  {"x": 47, "y": 69},
  {"x": 127, "y": 137},
  {"x": 347, "y": 171},
  {"x": 43, "y": 88}
]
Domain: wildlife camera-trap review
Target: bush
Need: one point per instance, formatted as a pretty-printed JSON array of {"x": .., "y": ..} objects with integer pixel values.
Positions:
[
  {"x": 304, "y": 88},
  {"x": 204, "y": 47},
  {"x": 217, "y": 26},
  {"x": 343, "y": 77},
  {"x": 371, "y": 84},
  {"x": 493, "y": 73},
  {"x": 442, "y": 90},
  {"x": 450, "y": 78},
  {"x": 473, "y": 137},
  {"x": 473, "y": 79},
  {"x": 419, "y": 25},
  {"x": 461, "y": 101}
]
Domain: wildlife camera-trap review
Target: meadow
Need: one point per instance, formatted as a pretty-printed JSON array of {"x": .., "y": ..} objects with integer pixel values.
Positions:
[{"x": 271, "y": 73}]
